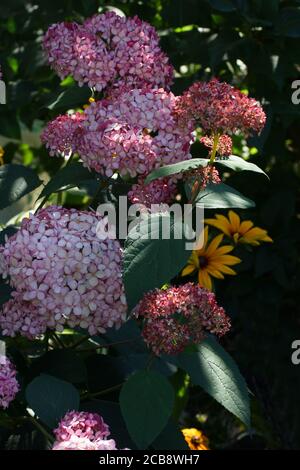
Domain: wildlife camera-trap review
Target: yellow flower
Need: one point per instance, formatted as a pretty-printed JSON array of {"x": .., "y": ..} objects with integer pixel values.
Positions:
[
  {"x": 240, "y": 232},
  {"x": 211, "y": 260},
  {"x": 91, "y": 100},
  {"x": 195, "y": 439}
]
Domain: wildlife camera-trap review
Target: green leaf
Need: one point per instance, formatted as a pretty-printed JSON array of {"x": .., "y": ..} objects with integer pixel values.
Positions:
[
  {"x": 146, "y": 401},
  {"x": 179, "y": 167},
  {"x": 239, "y": 164},
  {"x": 71, "y": 98},
  {"x": 15, "y": 182},
  {"x": 51, "y": 398},
  {"x": 222, "y": 5},
  {"x": 149, "y": 260},
  {"x": 68, "y": 177},
  {"x": 215, "y": 371},
  {"x": 222, "y": 196}
]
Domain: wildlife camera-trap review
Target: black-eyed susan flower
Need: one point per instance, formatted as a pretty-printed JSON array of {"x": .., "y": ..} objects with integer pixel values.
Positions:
[
  {"x": 195, "y": 439},
  {"x": 240, "y": 232},
  {"x": 212, "y": 260}
]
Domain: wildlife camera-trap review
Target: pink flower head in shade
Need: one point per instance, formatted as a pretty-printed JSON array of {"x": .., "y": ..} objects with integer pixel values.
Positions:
[
  {"x": 178, "y": 316},
  {"x": 203, "y": 176},
  {"x": 83, "y": 443},
  {"x": 132, "y": 133},
  {"x": 220, "y": 108},
  {"x": 160, "y": 191},
  {"x": 108, "y": 50},
  {"x": 224, "y": 147},
  {"x": 62, "y": 274},
  {"x": 59, "y": 136},
  {"x": 83, "y": 425},
  {"x": 81, "y": 430},
  {"x": 9, "y": 386}
]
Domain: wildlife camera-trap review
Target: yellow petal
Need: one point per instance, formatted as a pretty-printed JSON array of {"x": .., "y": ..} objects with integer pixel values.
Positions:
[
  {"x": 222, "y": 225},
  {"x": 245, "y": 226},
  {"x": 214, "y": 245},
  {"x": 225, "y": 269},
  {"x": 214, "y": 272},
  {"x": 222, "y": 250},
  {"x": 189, "y": 269},
  {"x": 204, "y": 279},
  {"x": 234, "y": 221},
  {"x": 227, "y": 259}
]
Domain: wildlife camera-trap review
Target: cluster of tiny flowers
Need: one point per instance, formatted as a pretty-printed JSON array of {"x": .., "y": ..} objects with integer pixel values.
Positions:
[
  {"x": 131, "y": 133},
  {"x": 178, "y": 316},
  {"x": 9, "y": 386},
  {"x": 80, "y": 430},
  {"x": 160, "y": 191},
  {"x": 220, "y": 108},
  {"x": 108, "y": 50},
  {"x": 61, "y": 273},
  {"x": 203, "y": 176},
  {"x": 60, "y": 134},
  {"x": 224, "y": 147}
]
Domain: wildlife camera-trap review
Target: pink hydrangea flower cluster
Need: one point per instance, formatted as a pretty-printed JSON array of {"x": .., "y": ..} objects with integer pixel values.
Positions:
[
  {"x": 132, "y": 133},
  {"x": 108, "y": 50},
  {"x": 220, "y": 108},
  {"x": 224, "y": 147},
  {"x": 62, "y": 274},
  {"x": 9, "y": 386},
  {"x": 178, "y": 316},
  {"x": 59, "y": 135},
  {"x": 160, "y": 191},
  {"x": 80, "y": 430}
]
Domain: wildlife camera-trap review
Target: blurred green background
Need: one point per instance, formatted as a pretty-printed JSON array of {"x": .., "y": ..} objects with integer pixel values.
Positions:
[{"x": 254, "y": 45}]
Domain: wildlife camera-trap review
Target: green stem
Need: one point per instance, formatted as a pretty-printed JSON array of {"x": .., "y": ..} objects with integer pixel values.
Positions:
[
  {"x": 59, "y": 341},
  {"x": 41, "y": 428},
  {"x": 214, "y": 148},
  {"x": 109, "y": 345},
  {"x": 103, "y": 392}
]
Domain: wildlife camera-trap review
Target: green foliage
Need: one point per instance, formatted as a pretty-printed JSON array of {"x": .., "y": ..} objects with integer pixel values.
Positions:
[
  {"x": 15, "y": 182},
  {"x": 146, "y": 402},
  {"x": 50, "y": 398},
  {"x": 255, "y": 46},
  {"x": 150, "y": 258},
  {"x": 214, "y": 370}
]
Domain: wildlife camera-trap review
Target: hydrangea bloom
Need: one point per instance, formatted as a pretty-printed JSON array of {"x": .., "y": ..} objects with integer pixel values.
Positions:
[
  {"x": 160, "y": 191},
  {"x": 220, "y": 108},
  {"x": 9, "y": 386},
  {"x": 178, "y": 316},
  {"x": 82, "y": 424},
  {"x": 108, "y": 50},
  {"x": 81, "y": 430},
  {"x": 83, "y": 443},
  {"x": 60, "y": 134},
  {"x": 133, "y": 132},
  {"x": 61, "y": 273}
]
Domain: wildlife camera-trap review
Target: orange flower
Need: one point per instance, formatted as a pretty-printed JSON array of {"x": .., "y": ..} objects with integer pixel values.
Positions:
[{"x": 195, "y": 439}]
